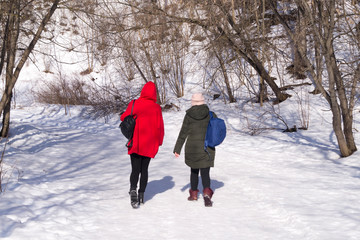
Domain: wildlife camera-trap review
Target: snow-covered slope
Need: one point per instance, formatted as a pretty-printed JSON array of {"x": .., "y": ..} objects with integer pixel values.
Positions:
[{"x": 67, "y": 177}]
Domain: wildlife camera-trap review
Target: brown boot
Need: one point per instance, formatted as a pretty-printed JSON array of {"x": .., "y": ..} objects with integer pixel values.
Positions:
[
  {"x": 207, "y": 194},
  {"x": 193, "y": 195}
]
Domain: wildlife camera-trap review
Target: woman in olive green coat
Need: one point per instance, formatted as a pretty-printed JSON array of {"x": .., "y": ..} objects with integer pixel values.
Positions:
[{"x": 193, "y": 131}]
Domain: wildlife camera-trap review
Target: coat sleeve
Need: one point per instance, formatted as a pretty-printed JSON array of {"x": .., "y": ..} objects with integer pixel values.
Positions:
[{"x": 183, "y": 134}]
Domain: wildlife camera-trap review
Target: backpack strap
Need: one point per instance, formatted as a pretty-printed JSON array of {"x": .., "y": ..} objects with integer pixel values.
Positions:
[
  {"x": 129, "y": 143},
  {"x": 205, "y": 144},
  {"x": 132, "y": 108}
]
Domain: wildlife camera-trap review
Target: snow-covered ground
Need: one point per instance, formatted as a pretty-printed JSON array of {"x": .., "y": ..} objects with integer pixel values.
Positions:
[{"x": 67, "y": 177}]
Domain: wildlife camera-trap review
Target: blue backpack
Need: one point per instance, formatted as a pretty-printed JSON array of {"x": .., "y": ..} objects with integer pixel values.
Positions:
[{"x": 215, "y": 133}]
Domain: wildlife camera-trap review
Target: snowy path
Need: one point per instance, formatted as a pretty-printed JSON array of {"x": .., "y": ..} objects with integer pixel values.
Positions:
[{"x": 70, "y": 181}]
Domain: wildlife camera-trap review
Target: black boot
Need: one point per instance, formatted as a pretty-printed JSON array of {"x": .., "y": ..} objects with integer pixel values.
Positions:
[
  {"x": 141, "y": 198},
  {"x": 133, "y": 198}
]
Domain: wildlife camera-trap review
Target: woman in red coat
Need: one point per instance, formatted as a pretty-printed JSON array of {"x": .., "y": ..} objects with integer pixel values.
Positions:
[{"x": 148, "y": 136}]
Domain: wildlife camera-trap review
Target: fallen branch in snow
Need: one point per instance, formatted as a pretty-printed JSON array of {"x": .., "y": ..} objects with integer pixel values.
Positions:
[{"x": 291, "y": 86}]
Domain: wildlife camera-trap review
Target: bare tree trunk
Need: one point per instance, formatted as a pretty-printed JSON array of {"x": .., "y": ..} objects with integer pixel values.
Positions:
[
  {"x": 226, "y": 78},
  {"x": 346, "y": 112},
  {"x": 323, "y": 25},
  {"x": 300, "y": 32},
  {"x": 248, "y": 53},
  {"x": 245, "y": 50},
  {"x": 253, "y": 60},
  {"x": 153, "y": 73},
  {"x": 263, "y": 95},
  {"x": 14, "y": 76},
  {"x": 3, "y": 48},
  {"x": 138, "y": 68},
  {"x": 6, "y": 119},
  {"x": 13, "y": 29},
  {"x": 318, "y": 60},
  {"x": 345, "y": 137}
]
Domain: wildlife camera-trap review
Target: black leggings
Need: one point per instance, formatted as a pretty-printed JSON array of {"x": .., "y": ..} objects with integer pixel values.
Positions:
[
  {"x": 139, "y": 165},
  {"x": 205, "y": 178}
]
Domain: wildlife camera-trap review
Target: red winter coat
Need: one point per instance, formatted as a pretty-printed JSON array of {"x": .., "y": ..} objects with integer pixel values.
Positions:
[{"x": 149, "y": 128}]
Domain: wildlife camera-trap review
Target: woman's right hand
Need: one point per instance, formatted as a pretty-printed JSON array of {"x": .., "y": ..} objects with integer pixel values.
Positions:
[{"x": 177, "y": 155}]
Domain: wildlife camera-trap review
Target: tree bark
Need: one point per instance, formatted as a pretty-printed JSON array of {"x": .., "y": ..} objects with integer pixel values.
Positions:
[
  {"x": 252, "y": 59},
  {"x": 15, "y": 74},
  {"x": 249, "y": 55},
  {"x": 323, "y": 25},
  {"x": 6, "y": 119},
  {"x": 12, "y": 36},
  {"x": 226, "y": 78},
  {"x": 3, "y": 48},
  {"x": 245, "y": 51},
  {"x": 300, "y": 32},
  {"x": 318, "y": 61},
  {"x": 341, "y": 112}
]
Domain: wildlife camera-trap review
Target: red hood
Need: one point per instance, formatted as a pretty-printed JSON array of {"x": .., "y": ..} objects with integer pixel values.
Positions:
[{"x": 149, "y": 91}]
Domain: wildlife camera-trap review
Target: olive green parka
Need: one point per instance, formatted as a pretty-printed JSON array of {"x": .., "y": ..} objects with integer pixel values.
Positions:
[{"x": 193, "y": 131}]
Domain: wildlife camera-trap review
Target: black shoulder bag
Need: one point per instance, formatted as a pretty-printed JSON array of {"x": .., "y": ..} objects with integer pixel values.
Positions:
[{"x": 127, "y": 127}]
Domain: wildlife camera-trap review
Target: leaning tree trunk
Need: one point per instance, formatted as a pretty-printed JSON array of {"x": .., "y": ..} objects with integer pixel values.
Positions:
[
  {"x": 344, "y": 136},
  {"x": 10, "y": 85},
  {"x": 336, "y": 112},
  {"x": 226, "y": 78},
  {"x": 346, "y": 112},
  {"x": 248, "y": 54},
  {"x": 253, "y": 60},
  {"x": 12, "y": 36},
  {"x": 259, "y": 67},
  {"x": 323, "y": 25}
]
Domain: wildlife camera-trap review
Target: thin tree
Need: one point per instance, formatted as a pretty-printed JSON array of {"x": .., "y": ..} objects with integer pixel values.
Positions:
[
  {"x": 13, "y": 70},
  {"x": 340, "y": 91},
  {"x": 223, "y": 21}
]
